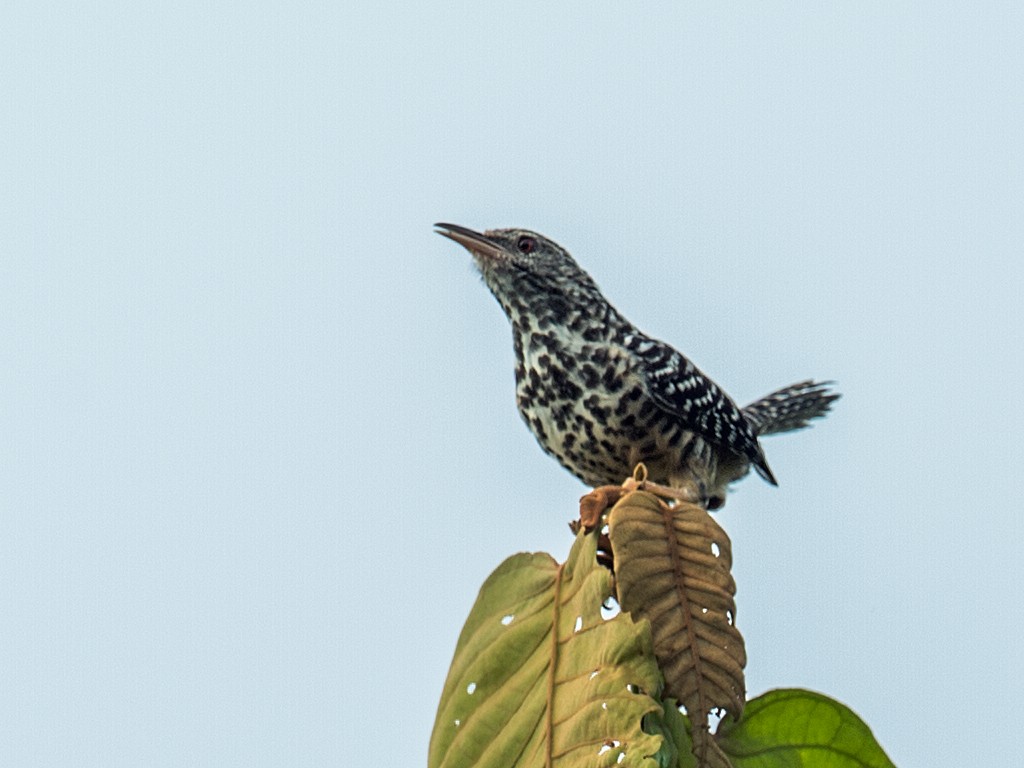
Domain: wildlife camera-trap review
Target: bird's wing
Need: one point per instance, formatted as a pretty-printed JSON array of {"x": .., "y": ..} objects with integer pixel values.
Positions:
[{"x": 679, "y": 387}]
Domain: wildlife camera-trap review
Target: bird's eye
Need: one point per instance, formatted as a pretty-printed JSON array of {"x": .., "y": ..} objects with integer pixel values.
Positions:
[{"x": 526, "y": 244}]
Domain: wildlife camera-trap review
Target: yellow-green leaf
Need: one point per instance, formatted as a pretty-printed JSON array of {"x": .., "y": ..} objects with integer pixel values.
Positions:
[{"x": 540, "y": 678}]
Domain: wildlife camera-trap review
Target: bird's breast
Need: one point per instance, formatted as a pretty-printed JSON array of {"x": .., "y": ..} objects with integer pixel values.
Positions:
[{"x": 586, "y": 405}]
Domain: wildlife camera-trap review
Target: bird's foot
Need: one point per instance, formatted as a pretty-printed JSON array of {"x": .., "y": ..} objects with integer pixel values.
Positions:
[{"x": 594, "y": 504}]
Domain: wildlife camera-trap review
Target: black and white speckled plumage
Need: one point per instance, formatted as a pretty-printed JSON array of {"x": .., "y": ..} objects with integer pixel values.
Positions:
[{"x": 600, "y": 396}]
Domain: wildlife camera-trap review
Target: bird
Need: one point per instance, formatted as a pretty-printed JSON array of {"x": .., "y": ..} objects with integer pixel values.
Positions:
[{"x": 602, "y": 397}]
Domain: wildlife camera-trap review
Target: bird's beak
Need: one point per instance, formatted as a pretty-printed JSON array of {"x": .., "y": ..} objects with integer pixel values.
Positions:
[{"x": 472, "y": 241}]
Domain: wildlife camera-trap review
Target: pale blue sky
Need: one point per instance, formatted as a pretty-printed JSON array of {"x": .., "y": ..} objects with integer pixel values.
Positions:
[{"x": 259, "y": 446}]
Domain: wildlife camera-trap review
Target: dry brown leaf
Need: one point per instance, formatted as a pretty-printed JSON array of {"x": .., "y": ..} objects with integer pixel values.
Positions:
[{"x": 672, "y": 567}]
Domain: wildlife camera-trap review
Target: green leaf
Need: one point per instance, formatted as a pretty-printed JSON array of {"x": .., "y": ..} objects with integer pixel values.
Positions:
[
  {"x": 539, "y": 678},
  {"x": 793, "y": 728},
  {"x": 678, "y": 730}
]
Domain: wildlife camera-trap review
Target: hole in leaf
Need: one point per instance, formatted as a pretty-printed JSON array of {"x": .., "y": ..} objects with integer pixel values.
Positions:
[
  {"x": 506, "y": 620},
  {"x": 604, "y": 705},
  {"x": 728, "y": 617},
  {"x": 621, "y": 757},
  {"x": 609, "y": 610},
  {"x": 471, "y": 689},
  {"x": 579, "y": 624},
  {"x": 593, "y": 674},
  {"x": 715, "y": 550},
  {"x": 458, "y": 723},
  {"x": 715, "y": 716},
  {"x": 635, "y": 689}
]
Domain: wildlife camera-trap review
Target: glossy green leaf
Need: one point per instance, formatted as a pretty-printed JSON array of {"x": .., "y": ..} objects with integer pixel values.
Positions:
[{"x": 793, "y": 728}]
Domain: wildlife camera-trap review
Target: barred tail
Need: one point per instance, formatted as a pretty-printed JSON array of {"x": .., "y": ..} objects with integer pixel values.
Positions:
[{"x": 790, "y": 407}]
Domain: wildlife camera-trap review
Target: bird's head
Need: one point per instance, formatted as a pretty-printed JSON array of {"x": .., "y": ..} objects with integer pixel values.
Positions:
[{"x": 526, "y": 272}]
